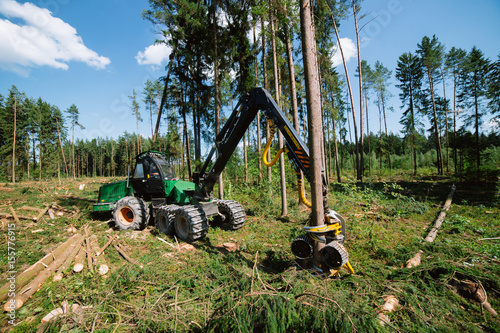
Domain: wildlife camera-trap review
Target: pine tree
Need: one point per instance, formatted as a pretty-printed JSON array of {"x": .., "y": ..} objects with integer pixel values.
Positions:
[
  {"x": 73, "y": 115},
  {"x": 454, "y": 62},
  {"x": 473, "y": 89},
  {"x": 409, "y": 73},
  {"x": 431, "y": 53}
]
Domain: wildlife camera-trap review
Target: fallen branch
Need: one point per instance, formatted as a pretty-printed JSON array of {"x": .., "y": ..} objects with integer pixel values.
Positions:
[
  {"x": 101, "y": 250},
  {"x": 42, "y": 212},
  {"x": 164, "y": 241},
  {"x": 124, "y": 255},
  {"x": 492, "y": 238},
  {"x": 75, "y": 197},
  {"x": 89, "y": 251},
  {"x": 439, "y": 221},
  {"x": 28, "y": 291},
  {"x": 30, "y": 272},
  {"x": 474, "y": 291}
]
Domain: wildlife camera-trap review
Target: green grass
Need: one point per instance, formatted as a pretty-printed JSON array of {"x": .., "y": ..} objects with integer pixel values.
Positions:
[{"x": 258, "y": 288}]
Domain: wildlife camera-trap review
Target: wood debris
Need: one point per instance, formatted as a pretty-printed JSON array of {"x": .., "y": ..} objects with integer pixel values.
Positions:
[{"x": 391, "y": 302}]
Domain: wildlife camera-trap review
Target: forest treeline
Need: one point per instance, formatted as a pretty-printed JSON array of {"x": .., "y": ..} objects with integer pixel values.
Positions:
[{"x": 222, "y": 49}]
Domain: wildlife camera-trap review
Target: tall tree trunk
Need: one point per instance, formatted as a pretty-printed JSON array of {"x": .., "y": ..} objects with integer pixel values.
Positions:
[
  {"x": 60, "y": 144},
  {"x": 361, "y": 148},
  {"x": 259, "y": 145},
  {"x": 436, "y": 127},
  {"x": 337, "y": 164},
  {"x": 478, "y": 154},
  {"x": 446, "y": 123},
  {"x": 293, "y": 90},
  {"x": 368, "y": 136},
  {"x": 455, "y": 156},
  {"x": 350, "y": 95},
  {"x": 413, "y": 134},
  {"x": 186, "y": 134},
  {"x": 284, "y": 208},
  {"x": 72, "y": 148},
  {"x": 264, "y": 72},
  {"x": 386, "y": 135},
  {"x": 315, "y": 126},
  {"x": 14, "y": 142},
  {"x": 216, "y": 84}
]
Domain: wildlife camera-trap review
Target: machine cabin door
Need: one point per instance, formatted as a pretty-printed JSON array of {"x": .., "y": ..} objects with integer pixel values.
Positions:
[{"x": 148, "y": 180}]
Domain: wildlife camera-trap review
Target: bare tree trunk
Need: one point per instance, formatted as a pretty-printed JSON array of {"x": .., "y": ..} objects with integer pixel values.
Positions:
[
  {"x": 293, "y": 91},
  {"x": 14, "y": 143},
  {"x": 216, "y": 83},
  {"x": 259, "y": 146},
  {"x": 186, "y": 134},
  {"x": 436, "y": 128},
  {"x": 361, "y": 148},
  {"x": 350, "y": 95},
  {"x": 284, "y": 208},
  {"x": 386, "y": 135},
  {"x": 264, "y": 72},
  {"x": 314, "y": 117},
  {"x": 446, "y": 124},
  {"x": 368, "y": 137},
  {"x": 62, "y": 150}
]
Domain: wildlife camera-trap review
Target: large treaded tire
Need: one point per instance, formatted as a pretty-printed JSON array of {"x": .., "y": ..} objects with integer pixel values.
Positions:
[
  {"x": 234, "y": 215},
  {"x": 165, "y": 217},
  {"x": 131, "y": 213},
  {"x": 190, "y": 223}
]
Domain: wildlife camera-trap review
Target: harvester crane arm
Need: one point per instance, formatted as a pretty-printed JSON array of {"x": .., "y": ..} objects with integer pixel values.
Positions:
[{"x": 258, "y": 99}]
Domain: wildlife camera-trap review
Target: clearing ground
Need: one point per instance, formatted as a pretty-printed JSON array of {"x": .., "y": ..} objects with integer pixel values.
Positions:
[{"x": 247, "y": 280}]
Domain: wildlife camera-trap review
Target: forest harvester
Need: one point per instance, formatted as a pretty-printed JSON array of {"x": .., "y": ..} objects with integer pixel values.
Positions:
[{"x": 153, "y": 192}]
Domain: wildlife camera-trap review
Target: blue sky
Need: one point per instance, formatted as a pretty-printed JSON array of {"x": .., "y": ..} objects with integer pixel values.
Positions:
[{"x": 93, "y": 53}]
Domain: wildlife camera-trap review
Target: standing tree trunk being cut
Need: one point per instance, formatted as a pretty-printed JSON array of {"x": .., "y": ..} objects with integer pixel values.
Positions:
[{"x": 315, "y": 126}]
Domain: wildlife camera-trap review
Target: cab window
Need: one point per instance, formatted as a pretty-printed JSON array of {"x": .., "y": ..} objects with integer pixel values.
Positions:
[{"x": 139, "y": 171}]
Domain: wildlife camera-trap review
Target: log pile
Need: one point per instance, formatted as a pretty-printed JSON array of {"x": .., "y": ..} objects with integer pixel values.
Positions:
[
  {"x": 76, "y": 249},
  {"x": 36, "y": 214}
]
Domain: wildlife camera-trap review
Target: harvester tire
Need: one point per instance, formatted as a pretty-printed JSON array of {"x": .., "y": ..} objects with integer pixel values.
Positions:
[
  {"x": 190, "y": 223},
  {"x": 233, "y": 215},
  {"x": 165, "y": 217},
  {"x": 131, "y": 213}
]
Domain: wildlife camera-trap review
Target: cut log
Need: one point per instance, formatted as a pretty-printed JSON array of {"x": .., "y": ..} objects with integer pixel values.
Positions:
[
  {"x": 89, "y": 251},
  {"x": 439, "y": 221},
  {"x": 28, "y": 291},
  {"x": 99, "y": 260},
  {"x": 21, "y": 217},
  {"x": 30, "y": 272},
  {"x": 390, "y": 305},
  {"x": 75, "y": 248},
  {"x": 14, "y": 214},
  {"x": 80, "y": 259},
  {"x": 415, "y": 261}
]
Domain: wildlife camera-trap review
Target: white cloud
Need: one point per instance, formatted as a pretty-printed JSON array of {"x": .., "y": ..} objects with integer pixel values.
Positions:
[
  {"x": 154, "y": 55},
  {"x": 43, "y": 40},
  {"x": 348, "y": 48}
]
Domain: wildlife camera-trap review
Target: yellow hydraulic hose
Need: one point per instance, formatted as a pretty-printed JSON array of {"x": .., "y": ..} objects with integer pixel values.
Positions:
[
  {"x": 268, "y": 145},
  {"x": 300, "y": 184}
]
